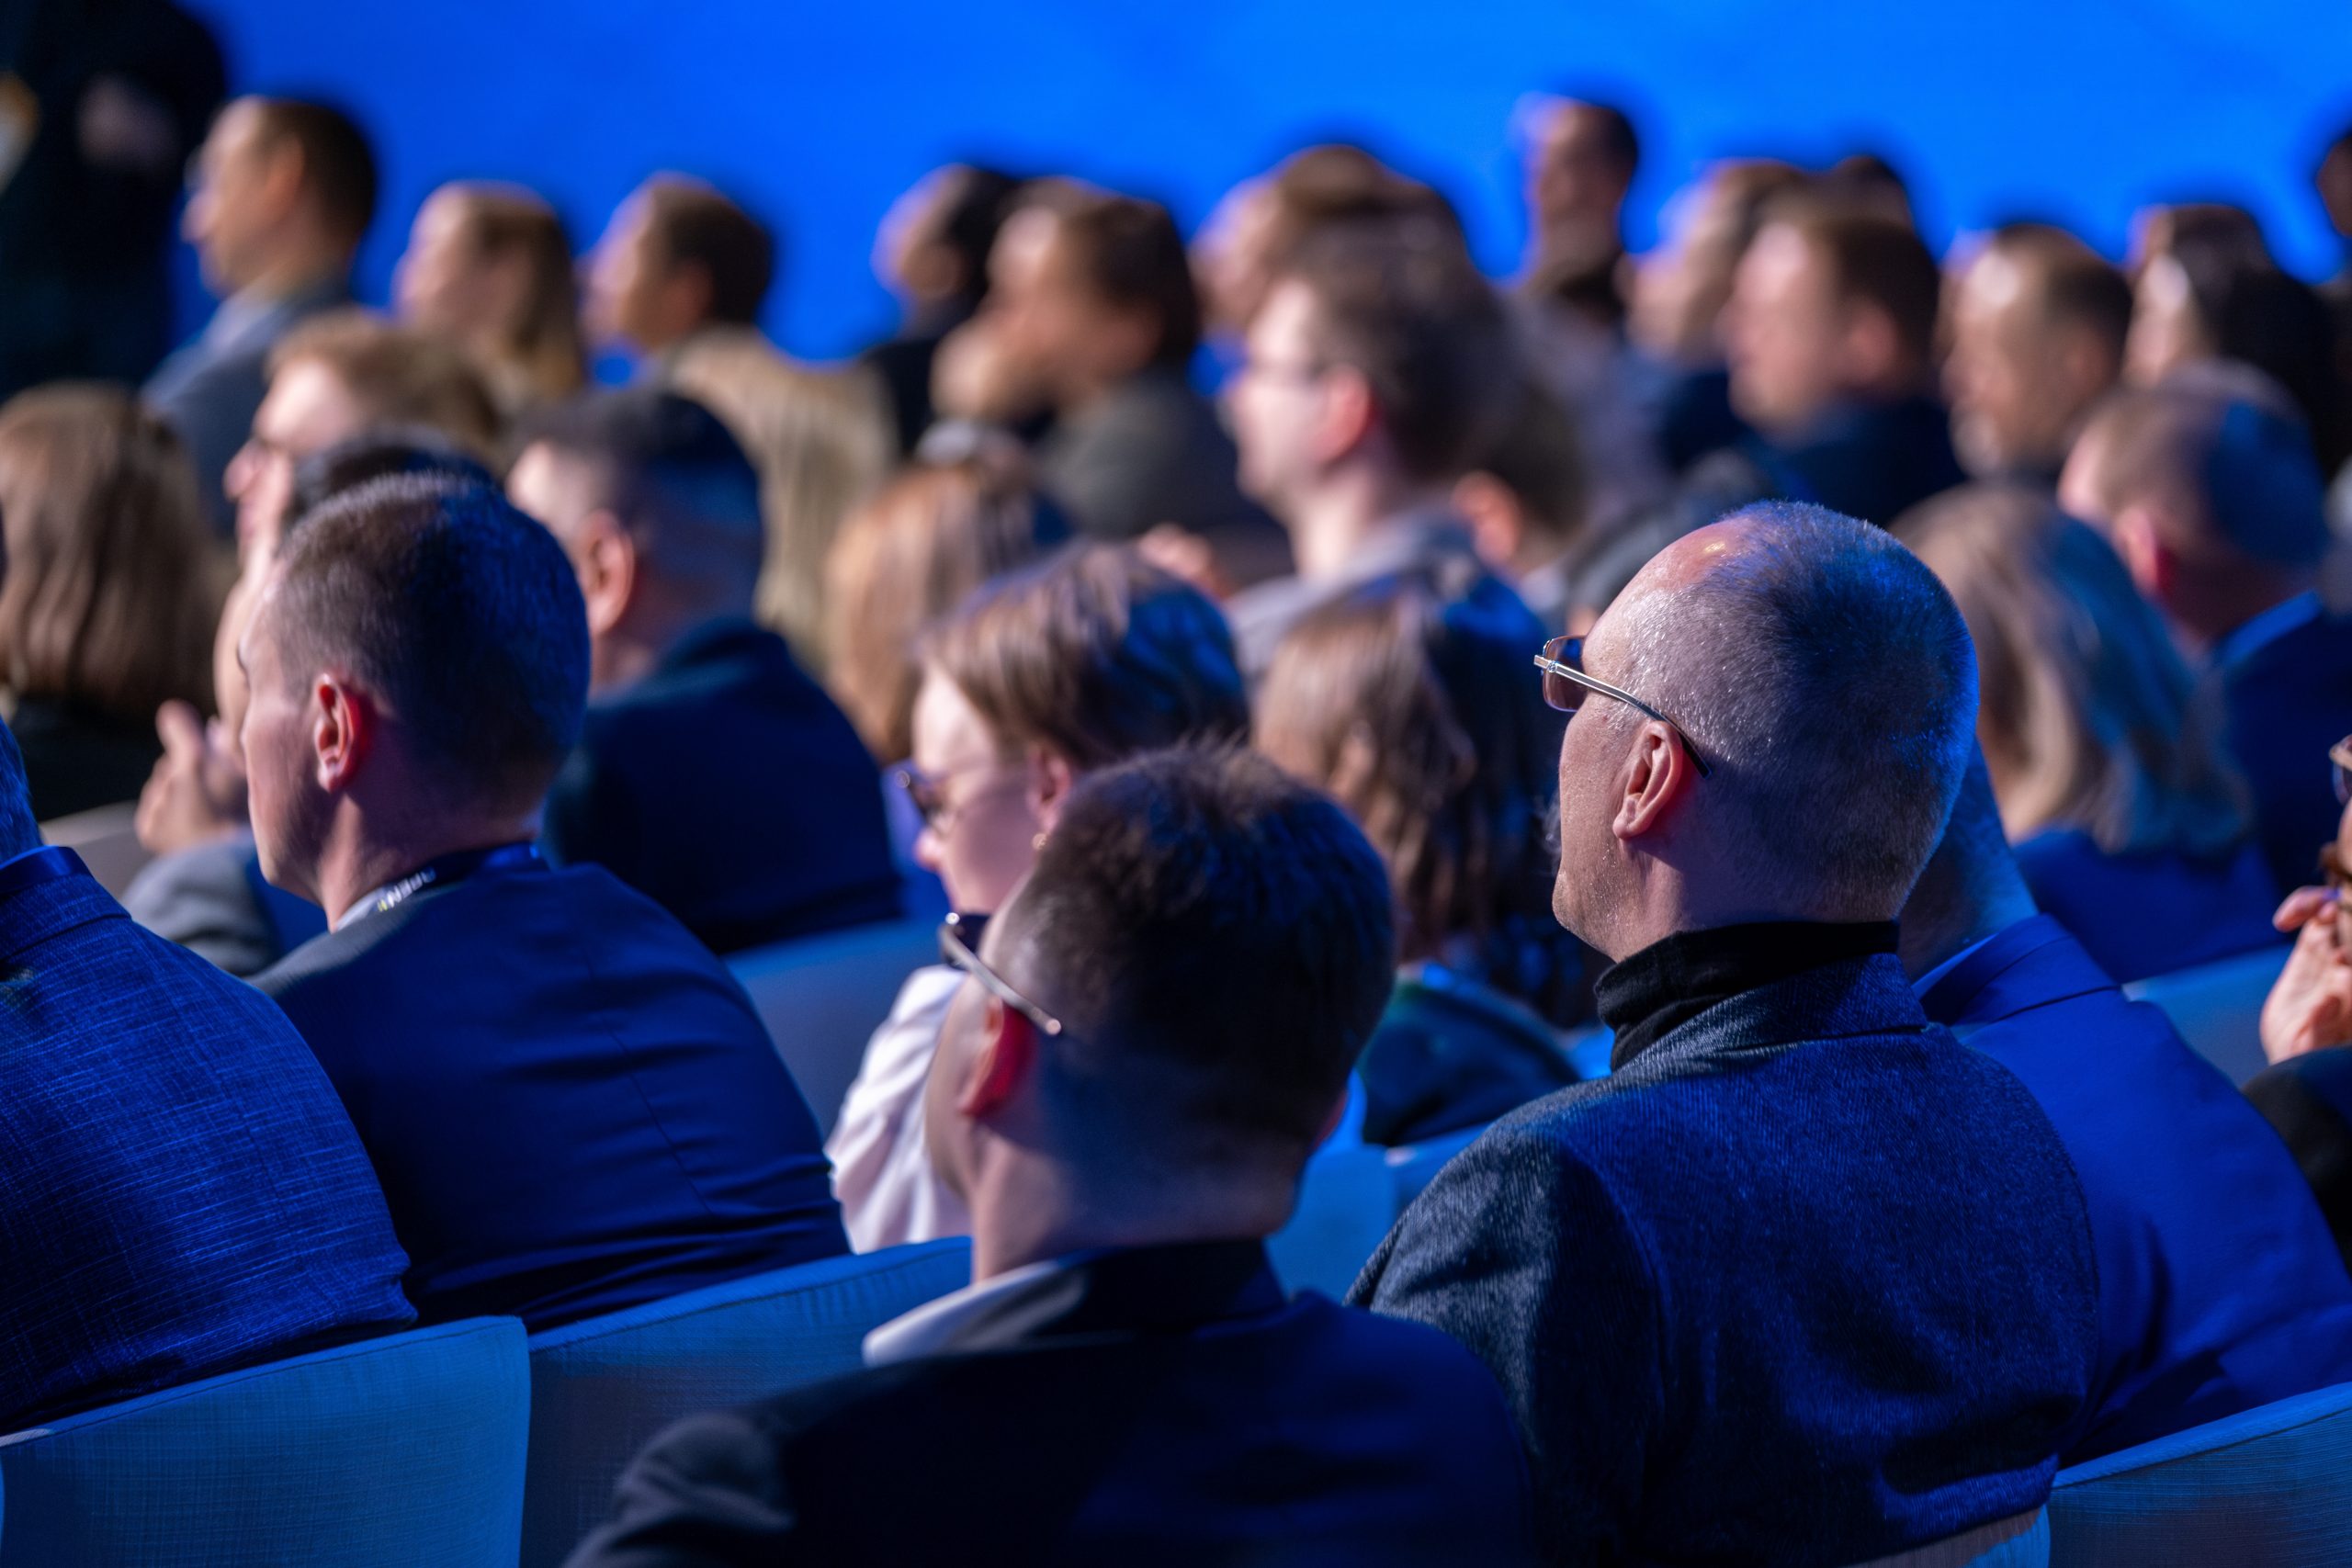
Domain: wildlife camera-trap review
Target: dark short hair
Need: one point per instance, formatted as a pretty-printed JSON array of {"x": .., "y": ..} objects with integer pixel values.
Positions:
[
  {"x": 973, "y": 201},
  {"x": 2075, "y": 284},
  {"x": 693, "y": 225},
  {"x": 1618, "y": 137},
  {"x": 18, "y": 831},
  {"x": 1215, "y": 936},
  {"x": 2230, "y": 471},
  {"x": 671, "y": 470},
  {"x": 381, "y": 453},
  {"x": 338, "y": 169},
  {"x": 1400, "y": 303},
  {"x": 1537, "y": 455},
  {"x": 1095, "y": 655},
  {"x": 461, "y": 611},
  {"x": 1127, "y": 253},
  {"x": 1875, "y": 260}
]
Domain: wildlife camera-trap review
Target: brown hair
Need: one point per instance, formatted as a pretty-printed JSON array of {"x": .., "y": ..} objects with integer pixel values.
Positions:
[
  {"x": 907, "y": 557},
  {"x": 338, "y": 167},
  {"x": 1417, "y": 713},
  {"x": 1400, "y": 302},
  {"x": 2089, "y": 716},
  {"x": 1095, "y": 656},
  {"x": 693, "y": 225},
  {"x": 2073, "y": 283},
  {"x": 1873, "y": 259},
  {"x": 403, "y": 376},
  {"x": 1127, "y": 253},
  {"x": 111, "y": 586},
  {"x": 540, "y": 350}
]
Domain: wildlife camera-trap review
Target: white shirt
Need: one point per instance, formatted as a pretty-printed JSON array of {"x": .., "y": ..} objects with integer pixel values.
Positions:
[
  {"x": 922, "y": 1331},
  {"x": 882, "y": 1173}
]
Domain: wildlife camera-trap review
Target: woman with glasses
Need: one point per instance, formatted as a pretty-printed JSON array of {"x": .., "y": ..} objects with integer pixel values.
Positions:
[
  {"x": 2130, "y": 825},
  {"x": 1036, "y": 680},
  {"x": 1420, "y": 715}
]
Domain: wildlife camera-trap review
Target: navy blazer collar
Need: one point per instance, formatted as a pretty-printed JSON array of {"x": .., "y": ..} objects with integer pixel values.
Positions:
[
  {"x": 1127, "y": 1290},
  {"x": 2031, "y": 964},
  {"x": 1838, "y": 1000}
]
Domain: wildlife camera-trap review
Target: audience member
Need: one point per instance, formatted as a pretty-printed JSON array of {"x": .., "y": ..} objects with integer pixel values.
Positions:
[
  {"x": 283, "y": 192},
  {"x": 712, "y": 774},
  {"x": 2219, "y": 1289},
  {"x": 1038, "y": 679},
  {"x": 1091, "y": 309},
  {"x": 932, "y": 253},
  {"x": 2038, "y": 325},
  {"x": 1525, "y": 503},
  {"x": 678, "y": 260},
  {"x": 108, "y": 593},
  {"x": 2132, "y": 827},
  {"x": 184, "y": 1195},
  {"x": 1124, "y": 1380},
  {"x": 571, "y": 1104},
  {"x": 1578, "y": 160},
  {"x": 1831, "y": 333},
  {"x": 1410, "y": 712},
  {"x": 906, "y": 557},
  {"x": 489, "y": 268},
  {"x": 1379, "y": 370},
  {"x": 1689, "y": 1381},
  {"x": 2215, "y": 506},
  {"x": 204, "y": 888},
  {"x": 126, "y": 88}
]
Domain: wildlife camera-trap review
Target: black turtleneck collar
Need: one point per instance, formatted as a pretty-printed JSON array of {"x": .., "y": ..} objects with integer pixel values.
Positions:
[{"x": 1668, "y": 983}]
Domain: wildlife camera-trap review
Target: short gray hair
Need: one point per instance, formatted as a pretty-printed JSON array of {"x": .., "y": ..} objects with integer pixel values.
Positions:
[{"x": 1829, "y": 679}]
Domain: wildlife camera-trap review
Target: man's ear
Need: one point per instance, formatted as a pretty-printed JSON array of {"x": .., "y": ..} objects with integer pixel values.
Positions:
[
  {"x": 1658, "y": 773},
  {"x": 1496, "y": 527},
  {"x": 1350, "y": 414},
  {"x": 1000, "y": 1064},
  {"x": 607, "y": 566},
  {"x": 1051, "y": 778},
  {"x": 344, "y": 725},
  {"x": 2155, "y": 569}
]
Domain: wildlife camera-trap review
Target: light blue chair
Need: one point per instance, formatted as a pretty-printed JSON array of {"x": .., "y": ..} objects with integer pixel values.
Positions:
[
  {"x": 602, "y": 1389},
  {"x": 1346, "y": 1204},
  {"x": 2217, "y": 1007},
  {"x": 2270, "y": 1488},
  {"x": 399, "y": 1452},
  {"x": 2019, "y": 1541},
  {"x": 822, "y": 996}
]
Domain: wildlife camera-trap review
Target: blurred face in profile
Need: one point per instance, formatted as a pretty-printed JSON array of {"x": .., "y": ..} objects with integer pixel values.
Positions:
[
  {"x": 2166, "y": 331},
  {"x": 2016, "y": 377},
  {"x": 1229, "y": 254},
  {"x": 1573, "y": 178},
  {"x": 1784, "y": 330},
  {"x": 287, "y": 806},
  {"x": 980, "y": 825},
  {"x": 1276, "y": 400},
  {"x": 1679, "y": 287},
  {"x": 238, "y": 199},
  {"x": 446, "y": 284},
  {"x": 1059, "y": 333},
  {"x": 634, "y": 296},
  {"x": 309, "y": 409}
]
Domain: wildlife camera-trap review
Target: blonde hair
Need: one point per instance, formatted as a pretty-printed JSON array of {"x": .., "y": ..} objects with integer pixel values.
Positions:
[{"x": 402, "y": 374}]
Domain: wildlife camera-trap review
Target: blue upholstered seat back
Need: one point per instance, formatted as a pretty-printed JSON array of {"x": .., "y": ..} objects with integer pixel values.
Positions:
[
  {"x": 399, "y": 1452},
  {"x": 2270, "y": 1488},
  {"x": 602, "y": 1389}
]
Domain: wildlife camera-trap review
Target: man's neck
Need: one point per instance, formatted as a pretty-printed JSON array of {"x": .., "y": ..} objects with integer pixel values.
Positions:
[
  {"x": 351, "y": 872},
  {"x": 2224, "y": 608},
  {"x": 1034, "y": 1210},
  {"x": 1328, "y": 529},
  {"x": 298, "y": 268}
]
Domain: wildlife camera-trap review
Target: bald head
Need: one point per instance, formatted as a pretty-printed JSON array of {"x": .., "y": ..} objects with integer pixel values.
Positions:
[{"x": 1828, "y": 681}]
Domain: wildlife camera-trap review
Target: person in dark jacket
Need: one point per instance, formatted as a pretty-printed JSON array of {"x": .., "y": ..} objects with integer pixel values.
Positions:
[
  {"x": 2219, "y": 1287},
  {"x": 712, "y": 774},
  {"x": 180, "y": 1192},
  {"x": 570, "y": 1103},
  {"x": 1803, "y": 1280},
  {"x": 1124, "y": 1381}
]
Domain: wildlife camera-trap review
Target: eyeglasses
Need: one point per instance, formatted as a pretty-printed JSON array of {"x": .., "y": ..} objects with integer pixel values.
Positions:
[
  {"x": 959, "y": 942},
  {"x": 929, "y": 792},
  {"x": 1565, "y": 683},
  {"x": 2339, "y": 760}
]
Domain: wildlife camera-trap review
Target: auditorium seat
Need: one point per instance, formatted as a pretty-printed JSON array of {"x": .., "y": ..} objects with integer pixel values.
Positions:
[
  {"x": 1347, "y": 1202},
  {"x": 404, "y": 1452},
  {"x": 2218, "y": 1007},
  {"x": 105, "y": 839},
  {"x": 822, "y": 996},
  {"x": 2019, "y": 1541},
  {"x": 603, "y": 1388},
  {"x": 2270, "y": 1488}
]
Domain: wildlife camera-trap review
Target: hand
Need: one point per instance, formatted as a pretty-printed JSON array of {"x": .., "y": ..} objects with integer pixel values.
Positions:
[
  {"x": 2310, "y": 1008},
  {"x": 1181, "y": 553},
  {"x": 196, "y": 793}
]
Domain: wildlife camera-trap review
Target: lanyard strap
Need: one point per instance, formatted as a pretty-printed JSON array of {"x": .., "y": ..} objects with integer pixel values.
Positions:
[{"x": 449, "y": 871}]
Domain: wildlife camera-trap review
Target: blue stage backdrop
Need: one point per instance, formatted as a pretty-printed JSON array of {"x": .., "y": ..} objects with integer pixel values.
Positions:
[{"x": 819, "y": 115}]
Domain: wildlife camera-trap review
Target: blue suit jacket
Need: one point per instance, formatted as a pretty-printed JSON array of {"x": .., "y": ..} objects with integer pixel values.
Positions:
[
  {"x": 727, "y": 787},
  {"x": 180, "y": 1192},
  {"x": 1159, "y": 1406},
  {"x": 2289, "y": 700},
  {"x": 2218, "y": 1286},
  {"x": 572, "y": 1104},
  {"x": 1805, "y": 1281},
  {"x": 2139, "y": 915}
]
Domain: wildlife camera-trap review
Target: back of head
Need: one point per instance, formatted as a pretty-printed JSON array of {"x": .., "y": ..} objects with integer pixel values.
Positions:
[
  {"x": 1537, "y": 455},
  {"x": 1813, "y": 661},
  {"x": 399, "y": 374},
  {"x": 1127, "y": 253},
  {"x": 2091, "y": 720},
  {"x": 385, "y": 452},
  {"x": 338, "y": 169},
  {"x": 1873, "y": 259},
  {"x": 1401, "y": 304},
  {"x": 109, "y": 590},
  {"x": 1415, "y": 713},
  {"x": 1216, "y": 939},
  {"x": 692, "y": 224},
  {"x": 1094, "y": 656},
  {"x": 911, "y": 554},
  {"x": 460, "y": 613},
  {"x": 2230, "y": 482}
]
